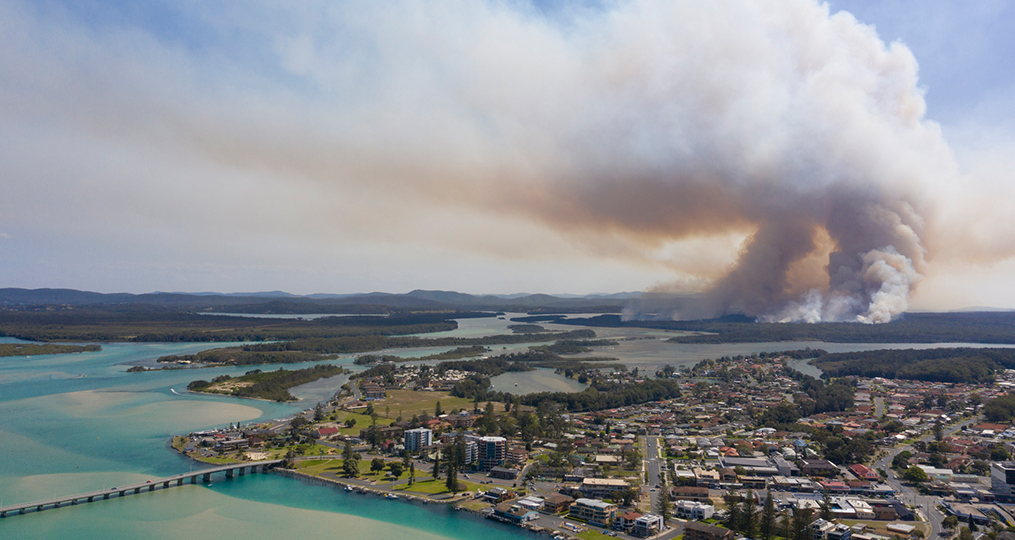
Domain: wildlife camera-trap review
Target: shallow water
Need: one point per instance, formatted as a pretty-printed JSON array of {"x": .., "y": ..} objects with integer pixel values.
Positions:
[
  {"x": 76, "y": 423},
  {"x": 538, "y": 380}
]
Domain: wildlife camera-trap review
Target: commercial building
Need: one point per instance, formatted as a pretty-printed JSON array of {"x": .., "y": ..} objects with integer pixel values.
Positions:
[
  {"x": 602, "y": 488},
  {"x": 490, "y": 452},
  {"x": 690, "y": 493},
  {"x": 416, "y": 439},
  {"x": 701, "y": 531},
  {"x": 594, "y": 511},
  {"x": 1002, "y": 478}
]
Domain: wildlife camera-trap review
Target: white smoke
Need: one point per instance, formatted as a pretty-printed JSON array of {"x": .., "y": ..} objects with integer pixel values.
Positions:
[
  {"x": 891, "y": 277},
  {"x": 887, "y": 276}
]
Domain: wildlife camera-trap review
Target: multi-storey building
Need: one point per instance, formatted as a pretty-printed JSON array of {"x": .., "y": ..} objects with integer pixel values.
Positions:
[
  {"x": 594, "y": 511},
  {"x": 415, "y": 439}
]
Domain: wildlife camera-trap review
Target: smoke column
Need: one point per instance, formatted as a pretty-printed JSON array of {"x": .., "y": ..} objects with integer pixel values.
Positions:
[
  {"x": 627, "y": 129},
  {"x": 656, "y": 122}
]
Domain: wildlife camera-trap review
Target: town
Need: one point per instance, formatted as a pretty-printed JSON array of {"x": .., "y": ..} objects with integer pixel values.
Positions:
[{"x": 741, "y": 447}]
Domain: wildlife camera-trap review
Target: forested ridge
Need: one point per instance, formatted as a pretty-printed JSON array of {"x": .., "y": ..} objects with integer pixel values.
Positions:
[
  {"x": 153, "y": 324},
  {"x": 956, "y": 365},
  {"x": 993, "y": 327}
]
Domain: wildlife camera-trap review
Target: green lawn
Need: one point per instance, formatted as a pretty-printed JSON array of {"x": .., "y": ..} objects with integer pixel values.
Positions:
[
  {"x": 411, "y": 402},
  {"x": 434, "y": 487},
  {"x": 317, "y": 467},
  {"x": 590, "y": 534}
]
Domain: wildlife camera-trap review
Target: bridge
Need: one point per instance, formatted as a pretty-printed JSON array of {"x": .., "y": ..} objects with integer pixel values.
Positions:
[{"x": 151, "y": 485}]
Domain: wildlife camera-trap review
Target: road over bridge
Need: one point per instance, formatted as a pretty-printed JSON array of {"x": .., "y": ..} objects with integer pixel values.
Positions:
[{"x": 151, "y": 485}]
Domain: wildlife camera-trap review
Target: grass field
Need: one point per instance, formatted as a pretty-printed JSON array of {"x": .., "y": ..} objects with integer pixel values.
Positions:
[
  {"x": 409, "y": 403},
  {"x": 590, "y": 534},
  {"x": 435, "y": 487}
]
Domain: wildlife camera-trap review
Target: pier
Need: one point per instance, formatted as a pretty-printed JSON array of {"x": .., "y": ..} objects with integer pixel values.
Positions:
[{"x": 151, "y": 485}]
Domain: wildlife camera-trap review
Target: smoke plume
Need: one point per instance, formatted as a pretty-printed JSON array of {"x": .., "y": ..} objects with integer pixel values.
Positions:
[{"x": 634, "y": 130}]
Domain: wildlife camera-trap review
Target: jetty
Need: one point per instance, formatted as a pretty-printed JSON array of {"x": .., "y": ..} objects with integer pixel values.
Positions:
[{"x": 193, "y": 477}]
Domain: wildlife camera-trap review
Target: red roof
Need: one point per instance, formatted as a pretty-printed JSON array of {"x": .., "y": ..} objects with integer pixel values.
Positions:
[{"x": 327, "y": 431}]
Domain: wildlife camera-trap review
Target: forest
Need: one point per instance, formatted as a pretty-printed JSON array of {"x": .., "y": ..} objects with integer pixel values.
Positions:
[
  {"x": 34, "y": 349},
  {"x": 155, "y": 324},
  {"x": 953, "y": 365},
  {"x": 993, "y": 327},
  {"x": 271, "y": 385}
]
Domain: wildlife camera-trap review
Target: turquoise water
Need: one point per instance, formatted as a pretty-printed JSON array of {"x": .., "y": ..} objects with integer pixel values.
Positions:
[{"x": 76, "y": 423}]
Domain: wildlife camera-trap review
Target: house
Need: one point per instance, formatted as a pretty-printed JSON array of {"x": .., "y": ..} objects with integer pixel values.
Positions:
[
  {"x": 594, "y": 511},
  {"x": 497, "y": 494},
  {"x": 327, "y": 431},
  {"x": 820, "y": 529},
  {"x": 864, "y": 472},
  {"x": 513, "y": 513},
  {"x": 647, "y": 525},
  {"x": 693, "y": 510},
  {"x": 625, "y": 522},
  {"x": 701, "y": 531}
]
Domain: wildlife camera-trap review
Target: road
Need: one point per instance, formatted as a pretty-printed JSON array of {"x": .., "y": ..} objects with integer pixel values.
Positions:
[
  {"x": 925, "y": 505},
  {"x": 655, "y": 466}
]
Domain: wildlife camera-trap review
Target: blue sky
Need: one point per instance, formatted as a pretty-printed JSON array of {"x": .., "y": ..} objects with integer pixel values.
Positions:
[{"x": 504, "y": 146}]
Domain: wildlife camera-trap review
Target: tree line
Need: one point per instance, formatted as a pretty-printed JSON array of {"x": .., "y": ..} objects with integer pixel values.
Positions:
[
  {"x": 953, "y": 365},
  {"x": 273, "y": 385}
]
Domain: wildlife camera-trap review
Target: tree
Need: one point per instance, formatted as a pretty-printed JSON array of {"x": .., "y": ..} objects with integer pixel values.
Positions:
[
  {"x": 767, "y": 525},
  {"x": 437, "y": 466},
  {"x": 915, "y": 474},
  {"x": 412, "y": 473},
  {"x": 750, "y": 509},
  {"x": 396, "y": 469},
  {"x": 972, "y": 523},
  {"x": 437, "y": 410},
  {"x": 350, "y": 465},
  {"x": 319, "y": 412},
  {"x": 801, "y": 521},
  {"x": 734, "y": 513},
  {"x": 938, "y": 430},
  {"x": 663, "y": 505},
  {"x": 633, "y": 458},
  {"x": 965, "y": 534},
  {"x": 377, "y": 465},
  {"x": 628, "y": 496},
  {"x": 950, "y": 522},
  {"x": 826, "y": 506},
  {"x": 452, "y": 479}
]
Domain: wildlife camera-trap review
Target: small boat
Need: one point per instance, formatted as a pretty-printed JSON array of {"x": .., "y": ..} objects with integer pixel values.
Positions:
[
  {"x": 516, "y": 384},
  {"x": 348, "y": 488},
  {"x": 390, "y": 496}
]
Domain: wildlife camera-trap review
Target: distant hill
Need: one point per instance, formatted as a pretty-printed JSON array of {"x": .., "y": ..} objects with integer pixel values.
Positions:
[{"x": 283, "y": 302}]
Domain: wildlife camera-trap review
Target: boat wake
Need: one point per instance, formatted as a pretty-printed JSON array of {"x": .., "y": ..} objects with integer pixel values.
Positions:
[{"x": 175, "y": 392}]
